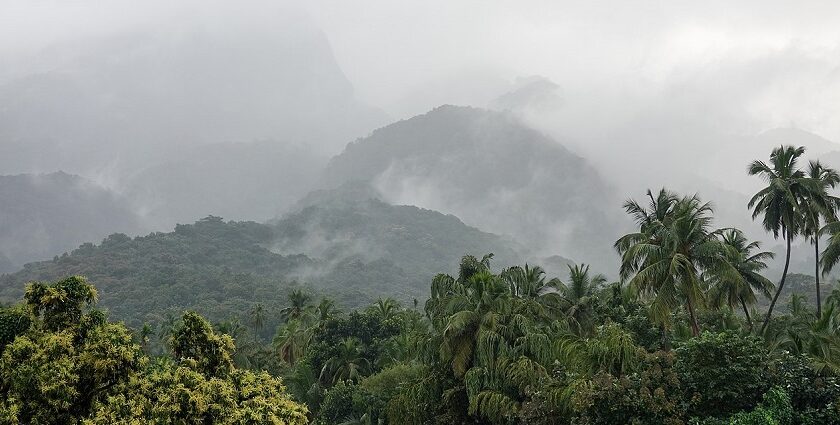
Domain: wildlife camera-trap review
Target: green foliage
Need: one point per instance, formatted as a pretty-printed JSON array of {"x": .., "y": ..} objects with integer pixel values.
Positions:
[
  {"x": 710, "y": 366},
  {"x": 216, "y": 268},
  {"x": 774, "y": 409},
  {"x": 176, "y": 394},
  {"x": 337, "y": 405},
  {"x": 652, "y": 395},
  {"x": 511, "y": 347},
  {"x": 72, "y": 366},
  {"x": 814, "y": 396},
  {"x": 14, "y": 321},
  {"x": 60, "y": 304},
  {"x": 195, "y": 343}
]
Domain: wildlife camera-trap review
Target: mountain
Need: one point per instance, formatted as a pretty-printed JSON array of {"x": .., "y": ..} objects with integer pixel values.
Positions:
[
  {"x": 494, "y": 173},
  {"x": 120, "y": 103},
  {"x": 215, "y": 267},
  {"x": 356, "y": 235},
  {"x": 44, "y": 215},
  {"x": 348, "y": 247}
]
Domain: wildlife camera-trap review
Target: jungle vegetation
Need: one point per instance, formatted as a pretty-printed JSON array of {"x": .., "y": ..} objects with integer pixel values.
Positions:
[{"x": 679, "y": 338}]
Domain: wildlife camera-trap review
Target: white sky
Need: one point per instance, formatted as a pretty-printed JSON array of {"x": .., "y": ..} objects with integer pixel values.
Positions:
[{"x": 406, "y": 56}]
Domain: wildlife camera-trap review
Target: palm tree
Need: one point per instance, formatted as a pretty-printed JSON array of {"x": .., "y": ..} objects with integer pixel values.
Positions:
[
  {"x": 540, "y": 297},
  {"x": 489, "y": 338},
  {"x": 803, "y": 332},
  {"x": 738, "y": 254},
  {"x": 577, "y": 295},
  {"x": 257, "y": 318},
  {"x": 669, "y": 253},
  {"x": 817, "y": 206},
  {"x": 348, "y": 364},
  {"x": 291, "y": 341},
  {"x": 326, "y": 310},
  {"x": 779, "y": 202},
  {"x": 386, "y": 308},
  {"x": 299, "y": 301}
]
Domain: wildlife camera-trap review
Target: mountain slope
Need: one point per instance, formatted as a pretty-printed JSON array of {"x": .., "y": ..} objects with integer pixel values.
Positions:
[
  {"x": 218, "y": 268},
  {"x": 45, "y": 215},
  {"x": 350, "y": 227},
  {"x": 491, "y": 171},
  {"x": 350, "y": 248}
]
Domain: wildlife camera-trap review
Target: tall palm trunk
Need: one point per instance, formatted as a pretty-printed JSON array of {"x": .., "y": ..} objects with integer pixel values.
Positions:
[
  {"x": 695, "y": 328},
  {"x": 781, "y": 283},
  {"x": 746, "y": 313},
  {"x": 817, "y": 272},
  {"x": 666, "y": 339}
]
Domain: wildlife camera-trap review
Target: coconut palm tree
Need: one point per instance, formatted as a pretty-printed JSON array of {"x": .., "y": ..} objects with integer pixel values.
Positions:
[
  {"x": 325, "y": 311},
  {"x": 257, "y": 316},
  {"x": 780, "y": 202},
  {"x": 819, "y": 206},
  {"x": 386, "y": 308},
  {"x": 668, "y": 255},
  {"x": 540, "y": 297},
  {"x": 488, "y": 337},
  {"x": 291, "y": 341},
  {"x": 803, "y": 332},
  {"x": 348, "y": 364},
  {"x": 299, "y": 305},
  {"x": 739, "y": 254},
  {"x": 577, "y": 296}
]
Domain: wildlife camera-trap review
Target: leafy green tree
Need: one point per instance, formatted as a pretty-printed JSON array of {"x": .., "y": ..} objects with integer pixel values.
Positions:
[
  {"x": 722, "y": 373},
  {"x": 652, "y": 396},
  {"x": 780, "y": 202},
  {"x": 145, "y": 332},
  {"x": 14, "y": 321},
  {"x": 802, "y": 332},
  {"x": 61, "y": 304},
  {"x": 494, "y": 335},
  {"x": 67, "y": 359},
  {"x": 195, "y": 342}
]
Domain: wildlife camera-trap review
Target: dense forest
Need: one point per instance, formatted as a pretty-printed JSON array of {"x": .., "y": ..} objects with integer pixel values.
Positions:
[
  {"x": 345, "y": 243},
  {"x": 693, "y": 331}
]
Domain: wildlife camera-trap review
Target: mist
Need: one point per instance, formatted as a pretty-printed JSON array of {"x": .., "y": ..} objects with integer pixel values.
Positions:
[{"x": 197, "y": 108}]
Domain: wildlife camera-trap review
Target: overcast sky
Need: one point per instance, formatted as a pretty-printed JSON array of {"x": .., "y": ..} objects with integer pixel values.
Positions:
[{"x": 780, "y": 59}]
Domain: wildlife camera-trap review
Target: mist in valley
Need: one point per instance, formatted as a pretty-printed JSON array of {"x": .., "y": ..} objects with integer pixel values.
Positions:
[{"x": 517, "y": 119}]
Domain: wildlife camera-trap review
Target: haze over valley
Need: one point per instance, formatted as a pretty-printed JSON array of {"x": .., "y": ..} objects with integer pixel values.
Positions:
[{"x": 323, "y": 179}]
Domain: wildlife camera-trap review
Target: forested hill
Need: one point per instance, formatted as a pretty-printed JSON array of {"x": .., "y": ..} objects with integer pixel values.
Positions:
[
  {"x": 353, "y": 252},
  {"x": 212, "y": 266}
]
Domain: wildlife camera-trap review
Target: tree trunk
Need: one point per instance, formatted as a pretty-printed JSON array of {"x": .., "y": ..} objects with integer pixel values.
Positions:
[
  {"x": 666, "y": 340},
  {"x": 746, "y": 313},
  {"x": 695, "y": 328},
  {"x": 781, "y": 284},
  {"x": 817, "y": 273}
]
